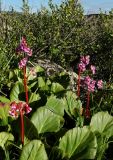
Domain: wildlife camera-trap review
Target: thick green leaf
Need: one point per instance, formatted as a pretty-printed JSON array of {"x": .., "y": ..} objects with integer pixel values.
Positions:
[
  {"x": 78, "y": 143},
  {"x": 34, "y": 150},
  {"x": 56, "y": 87},
  {"x": 102, "y": 122},
  {"x": 17, "y": 89},
  {"x": 4, "y": 113},
  {"x": 4, "y": 138},
  {"x": 55, "y": 105},
  {"x": 32, "y": 84},
  {"x": 39, "y": 69},
  {"x": 46, "y": 121},
  {"x": 41, "y": 82},
  {"x": 33, "y": 97},
  {"x": 102, "y": 145},
  {"x": 30, "y": 130},
  {"x": 73, "y": 107},
  {"x": 11, "y": 75},
  {"x": 4, "y": 99}
]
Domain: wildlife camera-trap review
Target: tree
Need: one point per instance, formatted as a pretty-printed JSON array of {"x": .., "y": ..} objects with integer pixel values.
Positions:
[{"x": 25, "y": 7}]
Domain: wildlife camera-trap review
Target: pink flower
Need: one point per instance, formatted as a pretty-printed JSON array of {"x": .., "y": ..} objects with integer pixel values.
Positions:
[
  {"x": 81, "y": 67},
  {"x": 85, "y": 59},
  {"x": 23, "y": 47},
  {"x": 100, "y": 84},
  {"x": 89, "y": 84},
  {"x": 87, "y": 80},
  {"x": 93, "y": 68},
  {"x": 16, "y": 108},
  {"x": 22, "y": 63}
]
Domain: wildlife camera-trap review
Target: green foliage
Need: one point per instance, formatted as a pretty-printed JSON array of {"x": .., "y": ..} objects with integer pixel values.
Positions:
[
  {"x": 61, "y": 33},
  {"x": 73, "y": 107},
  {"x": 34, "y": 150},
  {"x": 78, "y": 143},
  {"x": 4, "y": 138},
  {"x": 102, "y": 124},
  {"x": 55, "y": 128},
  {"x": 55, "y": 105},
  {"x": 4, "y": 112},
  {"x": 43, "y": 120}
]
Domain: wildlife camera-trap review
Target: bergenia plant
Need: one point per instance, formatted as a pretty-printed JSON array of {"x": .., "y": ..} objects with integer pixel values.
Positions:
[
  {"x": 84, "y": 61},
  {"x": 89, "y": 85},
  {"x": 23, "y": 51},
  {"x": 19, "y": 109},
  {"x": 87, "y": 82}
]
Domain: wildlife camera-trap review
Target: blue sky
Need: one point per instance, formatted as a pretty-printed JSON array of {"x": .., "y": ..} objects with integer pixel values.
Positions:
[{"x": 90, "y": 6}]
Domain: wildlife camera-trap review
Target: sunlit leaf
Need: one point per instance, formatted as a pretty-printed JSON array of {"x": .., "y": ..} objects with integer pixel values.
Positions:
[
  {"x": 55, "y": 105},
  {"x": 78, "y": 143},
  {"x": 4, "y": 138},
  {"x": 4, "y": 113},
  {"x": 102, "y": 122},
  {"x": 46, "y": 121},
  {"x": 17, "y": 89},
  {"x": 56, "y": 87},
  {"x": 34, "y": 150}
]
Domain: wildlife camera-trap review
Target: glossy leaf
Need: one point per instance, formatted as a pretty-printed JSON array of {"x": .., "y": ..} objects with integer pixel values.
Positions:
[
  {"x": 39, "y": 69},
  {"x": 56, "y": 87},
  {"x": 34, "y": 150},
  {"x": 4, "y": 99},
  {"x": 78, "y": 143},
  {"x": 4, "y": 113},
  {"x": 41, "y": 82},
  {"x": 4, "y": 138},
  {"x": 55, "y": 105},
  {"x": 73, "y": 107},
  {"x": 46, "y": 121},
  {"x": 33, "y": 97},
  {"x": 17, "y": 89},
  {"x": 102, "y": 122}
]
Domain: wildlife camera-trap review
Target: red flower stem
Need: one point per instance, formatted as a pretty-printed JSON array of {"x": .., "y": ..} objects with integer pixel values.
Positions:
[
  {"x": 21, "y": 112},
  {"x": 78, "y": 90},
  {"x": 25, "y": 85},
  {"x": 22, "y": 127},
  {"x": 87, "y": 105}
]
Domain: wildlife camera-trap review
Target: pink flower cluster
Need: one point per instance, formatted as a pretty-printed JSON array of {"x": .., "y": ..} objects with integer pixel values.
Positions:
[
  {"x": 93, "y": 69},
  {"x": 100, "y": 84},
  {"x": 88, "y": 82},
  {"x": 23, "y": 48},
  {"x": 84, "y": 61},
  {"x": 91, "y": 84},
  {"x": 16, "y": 108},
  {"x": 22, "y": 63}
]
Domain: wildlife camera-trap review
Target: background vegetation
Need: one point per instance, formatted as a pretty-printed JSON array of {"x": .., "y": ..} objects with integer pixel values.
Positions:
[{"x": 61, "y": 34}]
